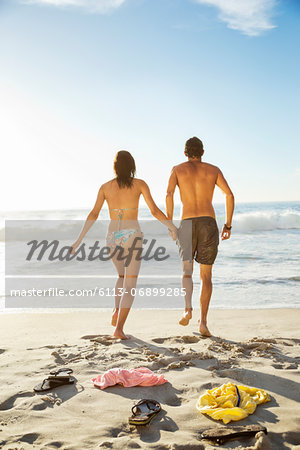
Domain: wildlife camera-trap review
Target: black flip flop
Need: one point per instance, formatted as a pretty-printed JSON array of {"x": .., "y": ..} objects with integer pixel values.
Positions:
[
  {"x": 53, "y": 382},
  {"x": 61, "y": 370},
  {"x": 144, "y": 411},
  {"x": 219, "y": 435}
]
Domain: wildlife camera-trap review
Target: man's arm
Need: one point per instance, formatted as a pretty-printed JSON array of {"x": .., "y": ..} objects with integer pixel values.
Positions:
[
  {"x": 223, "y": 185},
  {"x": 170, "y": 194}
]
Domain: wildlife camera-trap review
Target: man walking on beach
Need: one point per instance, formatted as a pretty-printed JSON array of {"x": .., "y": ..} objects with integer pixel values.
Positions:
[{"x": 198, "y": 235}]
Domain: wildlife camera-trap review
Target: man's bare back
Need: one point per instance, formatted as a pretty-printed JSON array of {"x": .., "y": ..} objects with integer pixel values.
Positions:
[{"x": 196, "y": 181}]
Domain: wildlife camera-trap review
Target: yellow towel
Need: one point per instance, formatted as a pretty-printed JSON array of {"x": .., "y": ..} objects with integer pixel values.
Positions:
[{"x": 231, "y": 402}]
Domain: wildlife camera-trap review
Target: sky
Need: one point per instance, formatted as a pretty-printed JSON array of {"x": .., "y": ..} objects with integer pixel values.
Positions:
[{"x": 82, "y": 79}]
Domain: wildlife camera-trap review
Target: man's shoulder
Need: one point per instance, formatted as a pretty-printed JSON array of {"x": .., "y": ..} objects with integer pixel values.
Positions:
[
  {"x": 186, "y": 165},
  {"x": 211, "y": 167},
  {"x": 180, "y": 166}
]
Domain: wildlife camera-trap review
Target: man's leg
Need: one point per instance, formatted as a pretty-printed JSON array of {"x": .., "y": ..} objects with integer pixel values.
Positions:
[
  {"x": 206, "y": 291},
  {"x": 187, "y": 284}
]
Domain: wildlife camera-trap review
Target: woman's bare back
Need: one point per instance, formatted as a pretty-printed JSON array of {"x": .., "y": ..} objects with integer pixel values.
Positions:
[{"x": 124, "y": 200}]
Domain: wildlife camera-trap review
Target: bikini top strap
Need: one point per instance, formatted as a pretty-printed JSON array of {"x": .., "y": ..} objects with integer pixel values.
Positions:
[
  {"x": 120, "y": 214},
  {"x": 120, "y": 210}
]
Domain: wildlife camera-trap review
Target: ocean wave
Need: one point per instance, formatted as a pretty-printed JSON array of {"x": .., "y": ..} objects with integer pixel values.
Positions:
[
  {"x": 255, "y": 281},
  {"x": 247, "y": 222},
  {"x": 246, "y": 258},
  {"x": 68, "y": 231},
  {"x": 293, "y": 279},
  {"x": 266, "y": 221}
]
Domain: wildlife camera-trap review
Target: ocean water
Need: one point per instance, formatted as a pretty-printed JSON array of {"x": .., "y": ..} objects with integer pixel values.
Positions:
[{"x": 258, "y": 267}]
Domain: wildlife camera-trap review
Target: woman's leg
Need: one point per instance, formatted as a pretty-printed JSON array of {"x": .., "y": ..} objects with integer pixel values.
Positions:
[
  {"x": 130, "y": 281},
  {"x": 119, "y": 265}
]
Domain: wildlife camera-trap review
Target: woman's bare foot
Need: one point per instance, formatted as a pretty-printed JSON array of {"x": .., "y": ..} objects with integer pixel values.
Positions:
[
  {"x": 204, "y": 330},
  {"x": 184, "y": 321},
  {"x": 119, "y": 334},
  {"x": 114, "y": 317}
]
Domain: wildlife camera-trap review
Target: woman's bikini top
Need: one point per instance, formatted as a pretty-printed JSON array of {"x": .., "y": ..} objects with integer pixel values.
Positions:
[{"x": 121, "y": 212}]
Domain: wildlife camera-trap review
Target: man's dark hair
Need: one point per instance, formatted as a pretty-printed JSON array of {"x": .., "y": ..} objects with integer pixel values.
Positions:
[
  {"x": 193, "y": 148},
  {"x": 124, "y": 167}
]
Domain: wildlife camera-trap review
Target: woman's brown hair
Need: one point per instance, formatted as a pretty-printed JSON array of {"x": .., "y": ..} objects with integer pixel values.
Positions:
[{"x": 124, "y": 167}]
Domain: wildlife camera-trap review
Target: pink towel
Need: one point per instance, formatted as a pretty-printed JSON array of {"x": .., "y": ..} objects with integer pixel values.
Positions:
[{"x": 128, "y": 378}]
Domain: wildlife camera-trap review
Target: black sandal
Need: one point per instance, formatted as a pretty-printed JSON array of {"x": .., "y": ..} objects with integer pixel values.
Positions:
[
  {"x": 53, "y": 382},
  {"x": 144, "y": 411},
  {"x": 220, "y": 435},
  {"x": 61, "y": 370}
]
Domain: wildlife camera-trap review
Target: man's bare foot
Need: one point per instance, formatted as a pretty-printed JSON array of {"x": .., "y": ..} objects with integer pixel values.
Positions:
[
  {"x": 204, "y": 330},
  {"x": 119, "y": 334},
  {"x": 184, "y": 321},
  {"x": 114, "y": 317}
]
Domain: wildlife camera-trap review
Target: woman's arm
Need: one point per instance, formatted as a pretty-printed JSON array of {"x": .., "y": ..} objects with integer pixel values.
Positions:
[
  {"x": 90, "y": 220},
  {"x": 155, "y": 211}
]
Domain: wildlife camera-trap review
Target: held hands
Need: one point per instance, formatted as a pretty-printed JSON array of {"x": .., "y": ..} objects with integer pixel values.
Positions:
[
  {"x": 226, "y": 233},
  {"x": 74, "y": 247},
  {"x": 173, "y": 233}
]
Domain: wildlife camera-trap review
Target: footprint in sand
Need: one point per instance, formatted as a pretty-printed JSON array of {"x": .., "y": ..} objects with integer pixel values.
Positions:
[
  {"x": 106, "y": 444},
  {"x": 103, "y": 339},
  {"x": 58, "y": 358},
  {"x": 285, "y": 366},
  {"x": 54, "y": 444},
  {"x": 258, "y": 346},
  {"x": 120, "y": 431},
  {"x": 12, "y": 401},
  {"x": 41, "y": 406},
  {"x": 66, "y": 355},
  {"x": 179, "y": 365},
  {"x": 288, "y": 342},
  {"x": 270, "y": 348},
  {"x": 50, "y": 347},
  {"x": 237, "y": 374},
  {"x": 150, "y": 354},
  {"x": 219, "y": 344},
  {"x": 187, "y": 358},
  {"x": 266, "y": 340},
  {"x": 177, "y": 339},
  {"x": 30, "y": 438},
  {"x": 292, "y": 437},
  {"x": 254, "y": 347}
]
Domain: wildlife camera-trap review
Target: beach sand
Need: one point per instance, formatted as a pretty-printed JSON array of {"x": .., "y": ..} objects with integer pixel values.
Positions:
[{"x": 254, "y": 347}]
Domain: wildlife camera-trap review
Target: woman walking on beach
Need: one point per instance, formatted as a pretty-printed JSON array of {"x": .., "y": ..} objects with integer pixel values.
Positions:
[{"x": 122, "y": 195}]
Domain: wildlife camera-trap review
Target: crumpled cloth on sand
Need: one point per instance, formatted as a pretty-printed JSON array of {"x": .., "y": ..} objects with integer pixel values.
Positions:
[
  {"x": 128, "y": 378},
  {"x": 231, "y": 402}
]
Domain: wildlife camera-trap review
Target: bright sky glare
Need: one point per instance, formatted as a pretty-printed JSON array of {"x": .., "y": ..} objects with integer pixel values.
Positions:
[{"x": 82, "y": 79}]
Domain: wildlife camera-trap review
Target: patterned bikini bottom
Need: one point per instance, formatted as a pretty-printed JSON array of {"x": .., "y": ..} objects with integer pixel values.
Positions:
[{"x": 119, "y": 238}]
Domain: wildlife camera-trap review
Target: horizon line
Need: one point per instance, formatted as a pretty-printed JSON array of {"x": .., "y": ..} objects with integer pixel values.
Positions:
[{"x": 81, "y": 208}]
